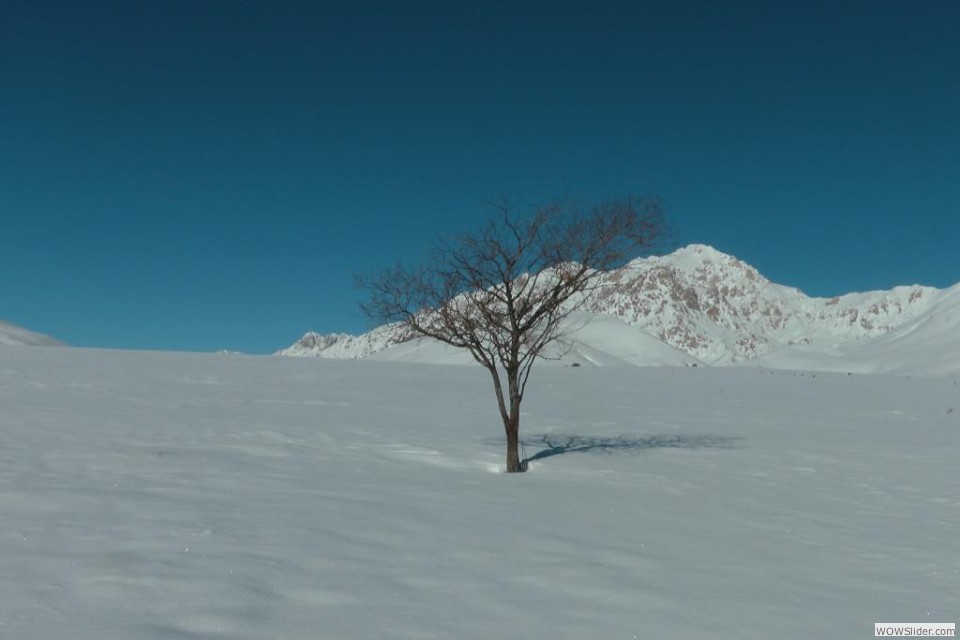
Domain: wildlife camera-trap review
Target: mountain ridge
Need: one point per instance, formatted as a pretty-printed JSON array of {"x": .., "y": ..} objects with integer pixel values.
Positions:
[{"x": 710, "y": 306}]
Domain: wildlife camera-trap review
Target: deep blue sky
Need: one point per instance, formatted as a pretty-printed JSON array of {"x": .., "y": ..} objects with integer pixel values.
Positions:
[{"x": 211, "y": 174}]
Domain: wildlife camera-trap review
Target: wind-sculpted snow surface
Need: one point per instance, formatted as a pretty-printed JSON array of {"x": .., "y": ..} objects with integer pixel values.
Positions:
[
  {"x": 149, "y": 496},
  {"x": 716, "y": 310}
]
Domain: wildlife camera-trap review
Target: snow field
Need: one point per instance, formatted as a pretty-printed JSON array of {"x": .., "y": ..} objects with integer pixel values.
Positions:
[{"x": 149, "y": 495}]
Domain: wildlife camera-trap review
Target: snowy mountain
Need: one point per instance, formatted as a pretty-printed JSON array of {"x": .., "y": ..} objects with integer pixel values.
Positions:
[
  {"x": 345, "y": 345},
  {"x": 722, "y": 310},
  {"x": 699, "y": 305},
  {"x": 12, "y": 335},
  {"x": 927, "y": 344}
]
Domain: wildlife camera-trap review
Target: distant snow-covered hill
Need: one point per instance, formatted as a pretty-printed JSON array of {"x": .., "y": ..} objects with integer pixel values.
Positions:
[
  {"x": 12, "y": 335},
  {"x": 699, "y": 305},
  {"x": 926, "y": 344},
  {"x": 345, "y": 345}
]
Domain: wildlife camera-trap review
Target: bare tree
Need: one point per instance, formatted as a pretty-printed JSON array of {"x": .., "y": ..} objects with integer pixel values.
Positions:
[{"x": 503, "y": 292}]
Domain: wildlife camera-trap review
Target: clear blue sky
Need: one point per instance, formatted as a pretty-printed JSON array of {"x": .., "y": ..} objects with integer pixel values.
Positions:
[{"x": 198, "y": 175}]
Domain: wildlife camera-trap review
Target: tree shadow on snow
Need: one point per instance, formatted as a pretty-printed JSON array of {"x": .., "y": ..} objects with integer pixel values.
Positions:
[{"x": 556, "y": 445}]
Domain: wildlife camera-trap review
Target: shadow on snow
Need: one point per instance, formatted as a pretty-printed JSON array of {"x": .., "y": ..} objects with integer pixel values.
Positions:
[{"x": 556, "y": 445}]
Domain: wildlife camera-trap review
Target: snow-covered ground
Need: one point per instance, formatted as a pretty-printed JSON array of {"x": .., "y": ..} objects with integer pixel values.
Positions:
[{"x": 176, "y": 496}]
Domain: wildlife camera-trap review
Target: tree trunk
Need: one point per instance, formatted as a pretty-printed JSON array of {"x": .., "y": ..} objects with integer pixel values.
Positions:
[
  {"x": 512, "y": 423},
  {"x": 512, "y": 427},
  {"x": 511, "y": 415}
]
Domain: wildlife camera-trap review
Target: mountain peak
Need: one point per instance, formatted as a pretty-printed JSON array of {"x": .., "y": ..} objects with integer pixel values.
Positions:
[
  {"x": 704, "y": 250},
  {"x": 689, "y": 256},
  {"x": 696, "y": 255},
  {"x": 315, "y": 343}
]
